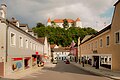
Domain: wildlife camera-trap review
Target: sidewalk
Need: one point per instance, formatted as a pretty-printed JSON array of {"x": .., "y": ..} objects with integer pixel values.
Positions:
[
  {"x": 20, "y": 74},
  {"x": 102, "y": 71}
]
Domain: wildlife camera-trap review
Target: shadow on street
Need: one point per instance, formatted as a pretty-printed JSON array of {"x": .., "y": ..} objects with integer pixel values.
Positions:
[{"x": 68, "y": 68}]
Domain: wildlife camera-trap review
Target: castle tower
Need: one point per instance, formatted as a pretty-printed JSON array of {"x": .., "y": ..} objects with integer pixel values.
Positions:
[
  {"x": 78, "y": 23},
  {"x": 49, "y": 22}
]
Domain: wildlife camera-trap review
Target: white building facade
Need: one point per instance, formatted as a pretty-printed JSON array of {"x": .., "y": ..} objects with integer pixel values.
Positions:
[
  {"x": 18, "y": 48},
  {"x": 60, "y": 53}
]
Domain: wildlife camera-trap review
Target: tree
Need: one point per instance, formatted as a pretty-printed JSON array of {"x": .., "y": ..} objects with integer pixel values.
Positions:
[
  {"x": 63, "y": 37},
  {"x": 65, "y": 23},
  {"x": 73, "y": 24},
  {"x": 40, "y": 25},
  {"x": 53, "y": 24}
]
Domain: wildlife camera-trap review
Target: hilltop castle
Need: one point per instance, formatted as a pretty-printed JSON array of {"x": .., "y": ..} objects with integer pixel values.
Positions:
[{"x": 59, "y": 22}]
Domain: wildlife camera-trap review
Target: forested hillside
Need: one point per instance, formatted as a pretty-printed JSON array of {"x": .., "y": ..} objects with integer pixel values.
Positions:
[{"x": 60, "y": 36}]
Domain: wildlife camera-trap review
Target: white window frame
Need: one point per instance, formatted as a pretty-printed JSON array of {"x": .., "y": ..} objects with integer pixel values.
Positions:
[
  {"x": 89, "y": 45},
  {"x": 101, "y": 43},
  {"x": 36, "y": 47},
  {"x": 31, "y": 45},
  {"x": 14, "y": 43},
  {"x": 96, "y": 44},
  {"x": 107, "y": 42},
  {"x": 26, "y": 43},
  {"x": 92, "y": 45},
  {"x": 20, "y": 43}
]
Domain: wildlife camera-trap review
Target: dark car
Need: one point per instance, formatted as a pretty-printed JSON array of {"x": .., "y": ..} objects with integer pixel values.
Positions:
[{"x": 67, "y": 62}]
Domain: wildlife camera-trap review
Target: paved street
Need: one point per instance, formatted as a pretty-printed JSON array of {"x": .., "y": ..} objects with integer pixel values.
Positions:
[{"x": 62, "y": 71}]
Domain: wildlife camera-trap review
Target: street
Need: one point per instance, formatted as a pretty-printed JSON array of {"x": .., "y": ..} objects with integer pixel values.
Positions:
[{"x": 63, "y": 71}]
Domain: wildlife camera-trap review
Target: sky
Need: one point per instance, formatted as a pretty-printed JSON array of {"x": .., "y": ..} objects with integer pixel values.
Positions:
[{"x": 92, "y": 13}]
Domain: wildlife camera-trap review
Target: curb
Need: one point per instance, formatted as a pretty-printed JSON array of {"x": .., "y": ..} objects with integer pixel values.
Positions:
[{"x": 83, "y": 68}]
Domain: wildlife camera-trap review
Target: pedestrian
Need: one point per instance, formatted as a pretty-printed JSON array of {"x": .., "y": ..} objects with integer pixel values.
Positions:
[
  {"x": 38, "y": 60},
  {"x": 97, "y": 64},
  {"x": 79, "y": 60},
  {"x": 83, "y": 61}
]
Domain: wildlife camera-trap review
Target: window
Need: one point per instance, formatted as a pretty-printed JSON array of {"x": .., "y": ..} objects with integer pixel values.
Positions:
[
  {"x": 36, "y": 47},
  {"x": 117, "y": 37},
  {"x": 31, "y": 45},
  {"x": 91, "y": 46},
  {"x": 107, "y": 40},
  {"x": 21, "y": 41},
  {"x": 12, "y": 39},
  {"x": 96, "y": 44},
  {"x": 26, "y": 43},
  {"x": 100, "y": 42},
  {"x": 109, "y": 59},
  {"x": 105, "y": 60}
]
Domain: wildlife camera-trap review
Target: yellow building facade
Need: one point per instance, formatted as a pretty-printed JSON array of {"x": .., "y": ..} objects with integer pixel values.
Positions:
[{"x": 105, "y": 45}]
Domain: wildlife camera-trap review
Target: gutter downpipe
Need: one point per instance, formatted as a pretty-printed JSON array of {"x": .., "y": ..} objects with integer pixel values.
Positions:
[{"x": 7, "y": 40}]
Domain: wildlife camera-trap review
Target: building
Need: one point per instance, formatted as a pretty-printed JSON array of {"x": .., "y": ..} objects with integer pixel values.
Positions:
[
  {"x": 46, "y": 49},
  {"x": 73, "y": 52},
  {"x": 60, "y": 53},
  {"x": 104, "y": 47},
  {"x": 19, "y": 48},
  {"x": 59, "y": 22}
]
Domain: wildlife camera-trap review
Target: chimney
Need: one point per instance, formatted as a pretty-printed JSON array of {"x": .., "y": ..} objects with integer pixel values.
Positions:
[
  {"x": 13, "y": 19},
  {"x": 4, "y": 7}
]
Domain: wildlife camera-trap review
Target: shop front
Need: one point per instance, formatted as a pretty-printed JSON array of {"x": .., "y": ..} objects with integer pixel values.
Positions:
[
  {"x": 17, "y": 64},
  {"x": 99, "y": 60},
  {"x": 34, "y": 60},
  {"x": 27, "y": 62}
]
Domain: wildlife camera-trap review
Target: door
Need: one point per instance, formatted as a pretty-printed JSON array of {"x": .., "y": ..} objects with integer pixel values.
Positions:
[
  {"x": 1, "y": 69},
  {"x": 96, "y": 61}
]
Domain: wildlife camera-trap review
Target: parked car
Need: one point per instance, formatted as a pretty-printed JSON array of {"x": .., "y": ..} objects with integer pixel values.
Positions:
[
  {"x": 41, "y": 63},
  {"x": 67, "y": 62},
  {"x": 55, "y": 62}
]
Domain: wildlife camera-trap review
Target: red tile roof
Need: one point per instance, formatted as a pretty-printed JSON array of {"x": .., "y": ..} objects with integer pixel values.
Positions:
[
  {"x": 61, "y": 20},
  {"x": 52, "y": 46},
  {"x": 41, "y": 40}
]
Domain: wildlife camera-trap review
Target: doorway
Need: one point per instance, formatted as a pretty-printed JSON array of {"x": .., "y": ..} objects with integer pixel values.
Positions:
[
  {"x": 96, "y": 62},
  {"x": 1, "y": 69}
]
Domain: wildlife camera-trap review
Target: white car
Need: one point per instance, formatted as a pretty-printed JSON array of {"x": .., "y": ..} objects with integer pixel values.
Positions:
[{"x": 55, "y": 62}]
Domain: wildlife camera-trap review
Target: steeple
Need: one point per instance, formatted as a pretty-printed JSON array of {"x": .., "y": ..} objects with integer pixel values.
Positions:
[
  {"x": 49, "y": 20},
  {"x": 78, "y": 22},
  {"x": 78, "y": 19}
]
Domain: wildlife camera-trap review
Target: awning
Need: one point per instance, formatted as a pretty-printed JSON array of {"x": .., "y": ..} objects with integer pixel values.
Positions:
[
  {"x": 27, "y": 58},
  {"x": 16, "y": 59}
]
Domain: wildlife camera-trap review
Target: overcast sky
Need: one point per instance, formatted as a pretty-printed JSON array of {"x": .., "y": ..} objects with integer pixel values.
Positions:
[{"x": 93, "y": 13}]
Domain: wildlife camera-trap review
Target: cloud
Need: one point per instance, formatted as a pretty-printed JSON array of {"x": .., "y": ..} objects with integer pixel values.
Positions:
[{"x": 33, "y": 11}]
